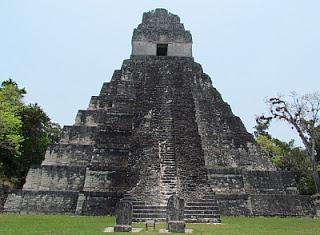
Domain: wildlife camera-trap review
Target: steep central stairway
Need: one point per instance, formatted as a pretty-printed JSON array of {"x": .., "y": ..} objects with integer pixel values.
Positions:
[
  {"x": 168, "y": 169},
  {"x": 204, "y": 210},
  {"x": 168, "y": 178}
]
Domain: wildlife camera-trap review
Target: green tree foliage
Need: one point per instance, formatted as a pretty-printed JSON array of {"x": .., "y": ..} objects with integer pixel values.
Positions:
[
  {"x": 25, "y": 133},
  {"x": 10, "y": 121},
  {"x": 11, "y": 137},
  {"x": 303, "y": 114},
  {"x": 286, "y": 156},
  {"x": 38, "y": 132}
]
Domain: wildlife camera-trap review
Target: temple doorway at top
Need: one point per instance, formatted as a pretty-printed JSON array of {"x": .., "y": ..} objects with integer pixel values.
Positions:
[{"x": 162, "y": 49}]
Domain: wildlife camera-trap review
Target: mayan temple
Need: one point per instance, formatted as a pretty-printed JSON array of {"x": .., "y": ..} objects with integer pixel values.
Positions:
[{"x": 158, "y": 128}]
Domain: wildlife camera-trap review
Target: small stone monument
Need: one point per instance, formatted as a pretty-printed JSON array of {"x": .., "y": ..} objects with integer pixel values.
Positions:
[
  {"x": 175, "y": 215},
  {"x": 123, "y": 216},
  {"x": 316, "y": 202}
]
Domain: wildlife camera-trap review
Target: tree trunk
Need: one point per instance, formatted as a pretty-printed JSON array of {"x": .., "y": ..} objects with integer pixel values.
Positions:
[{"x": 315, "y": 174}]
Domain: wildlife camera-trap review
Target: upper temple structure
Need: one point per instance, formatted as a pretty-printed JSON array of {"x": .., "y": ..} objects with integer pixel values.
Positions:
[
  {"x": 159, "y": 128},
  {"x": 161, "y": 34}
]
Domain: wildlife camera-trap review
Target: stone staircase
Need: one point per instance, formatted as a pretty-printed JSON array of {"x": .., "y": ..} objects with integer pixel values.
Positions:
[
  {"x": 168, "y": 168},
  {"x": 142, "y": 212},
  {"x": 168, "y": 178},
  {"x": 205, "y": 210}
]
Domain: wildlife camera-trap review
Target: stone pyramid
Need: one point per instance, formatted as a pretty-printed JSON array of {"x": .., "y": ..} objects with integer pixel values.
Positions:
[{"x": 158, "y": 128}]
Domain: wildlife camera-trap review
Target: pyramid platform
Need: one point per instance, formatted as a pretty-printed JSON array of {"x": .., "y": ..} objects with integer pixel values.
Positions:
[{"x": 158, "y": 128}]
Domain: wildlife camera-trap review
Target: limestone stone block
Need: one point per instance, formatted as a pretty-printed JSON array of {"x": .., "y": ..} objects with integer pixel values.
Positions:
[
  {"x": 175, "y": 214},
  {"x": 123, "y": 217},
  {"x": 175, "y": 209}
]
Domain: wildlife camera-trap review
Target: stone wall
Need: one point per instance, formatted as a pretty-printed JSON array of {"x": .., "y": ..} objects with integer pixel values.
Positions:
[
  {"x": 102, "y": 180},
  {"x": 281, "y": 205},
  {"x": 68, "y": 154},
  {"x": 143, "y": 48},
  {"x": 225, "y": 141},
  {"x": 95, "y": 203},
  {"x": 47, "y": 202},
  {"x": 270, "y": 182},
  {"x": 4, "y": 191},
  {"x": 159, "y": 26},
  {"x": 13, "y": 202},
  {"x": 53, "y": 202},
  {"x": 234, "y": 204},
  {"x": 55, "y": 178},
  {"x": 232, "y": 180},
  {"x": 242, "y": 192}
]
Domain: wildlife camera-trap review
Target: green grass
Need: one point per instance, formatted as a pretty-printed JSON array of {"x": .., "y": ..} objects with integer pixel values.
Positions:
[{"x": 78, "y": 225}]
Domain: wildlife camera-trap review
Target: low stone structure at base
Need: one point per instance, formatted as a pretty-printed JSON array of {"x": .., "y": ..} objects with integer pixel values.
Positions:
[{"x": 122, "y": 228}]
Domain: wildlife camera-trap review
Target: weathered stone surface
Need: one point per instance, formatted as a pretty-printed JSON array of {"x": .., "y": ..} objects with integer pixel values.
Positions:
[
  {"x": 13, "y": 202},
  {"x": 123, "y": 216},
  {"x": 4, "y": 191},
  {"x": 56, "y": 202},
  {"x": 175, "y": 208},
  {"x": 316, "y": 203},
  {"x": 160, "y": 26},
  {"x": 159, "y": 128},
  {"x": 56, "y": 178},
  {"x": 175, "y": 214}
]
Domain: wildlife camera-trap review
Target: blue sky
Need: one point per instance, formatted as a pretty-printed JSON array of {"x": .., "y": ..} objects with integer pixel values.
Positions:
[{"x": 62, "y": 51}]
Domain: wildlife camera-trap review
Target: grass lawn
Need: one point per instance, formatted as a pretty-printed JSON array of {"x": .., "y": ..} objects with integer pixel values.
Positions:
[{"x": 78, "y": 225}]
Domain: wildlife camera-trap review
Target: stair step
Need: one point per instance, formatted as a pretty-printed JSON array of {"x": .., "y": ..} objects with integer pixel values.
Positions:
[
  {"x": 201, "y": 204},
  {"x": 201, "y": 216},
  {"x": 213, "y": 197},
  {"x": 149, "y": 207},
  {"x": 168, "y": 179},
  {"x": 215, "y": 208},
  {"x": 148, "y": 215},
  {"x": 201, "y": 212},
  {"x": 146, "y": 211}
]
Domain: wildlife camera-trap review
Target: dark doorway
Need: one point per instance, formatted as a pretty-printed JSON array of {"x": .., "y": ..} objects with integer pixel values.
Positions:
[{"x": 162, "y": 49}]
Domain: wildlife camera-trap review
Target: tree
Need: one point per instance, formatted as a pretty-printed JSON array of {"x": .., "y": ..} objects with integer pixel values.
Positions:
[
  {"x": 303, "y": 114},
  {"x": 10, "y": 121},
  {"x": 25, "y": 133},
  {"x": 11, "y": 137},
  {"x": 39, "y": 132}
]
